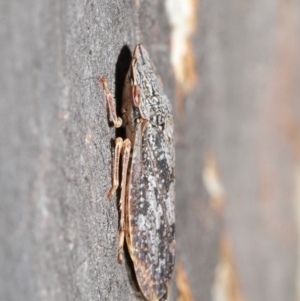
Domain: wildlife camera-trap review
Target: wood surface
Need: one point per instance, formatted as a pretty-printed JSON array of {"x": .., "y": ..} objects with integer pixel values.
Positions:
[{"x": 237, "y": 148}]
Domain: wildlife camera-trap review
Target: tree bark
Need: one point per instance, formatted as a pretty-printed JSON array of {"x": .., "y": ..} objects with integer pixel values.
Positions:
[{"x": 237, "y": 147}]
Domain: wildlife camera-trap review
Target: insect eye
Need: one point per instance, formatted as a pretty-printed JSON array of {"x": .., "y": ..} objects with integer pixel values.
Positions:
[{"x": 136, "y": 96}]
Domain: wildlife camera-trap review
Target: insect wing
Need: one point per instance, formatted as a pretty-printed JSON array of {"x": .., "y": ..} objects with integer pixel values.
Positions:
[{"x": 151, "y": 218}]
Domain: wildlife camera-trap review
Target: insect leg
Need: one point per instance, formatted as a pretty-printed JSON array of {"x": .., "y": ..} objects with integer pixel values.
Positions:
[
  {"x": 125, "y": 159},
  {"x": 111, "y": 106},
  {"x": 118, "y": 148}
]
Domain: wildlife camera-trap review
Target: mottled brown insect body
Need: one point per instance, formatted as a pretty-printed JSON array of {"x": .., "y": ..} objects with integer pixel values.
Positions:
[{"x": 147, "y": 190}]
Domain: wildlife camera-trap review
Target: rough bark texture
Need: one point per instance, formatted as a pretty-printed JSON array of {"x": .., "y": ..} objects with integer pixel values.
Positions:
[{"x": 58, "y": 230}]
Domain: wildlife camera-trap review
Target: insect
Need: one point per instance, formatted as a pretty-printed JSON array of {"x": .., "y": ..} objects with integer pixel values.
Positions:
[{"x": 147, "y": 217}]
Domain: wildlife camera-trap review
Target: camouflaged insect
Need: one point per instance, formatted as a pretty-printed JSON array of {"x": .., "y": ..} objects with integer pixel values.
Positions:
[{"x": 147, "y": 187}]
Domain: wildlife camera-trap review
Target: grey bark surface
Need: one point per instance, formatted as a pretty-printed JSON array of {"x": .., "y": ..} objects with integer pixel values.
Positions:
[{"x": 58, "y": 230}]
